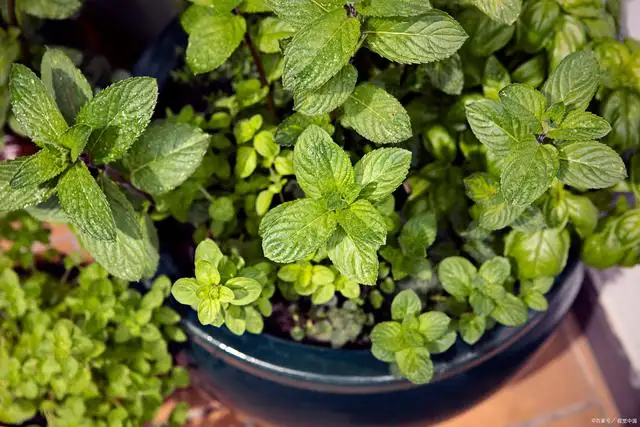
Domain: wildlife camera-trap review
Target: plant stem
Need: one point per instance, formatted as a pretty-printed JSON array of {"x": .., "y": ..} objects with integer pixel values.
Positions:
[
  {"x": 261, "y": 71},
  {"x": 206, "y": 194},
  {"x": 11, "y": 10}
]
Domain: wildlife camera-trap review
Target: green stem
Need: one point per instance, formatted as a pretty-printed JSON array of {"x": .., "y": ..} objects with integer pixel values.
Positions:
[{"x": 206, "y": 194}]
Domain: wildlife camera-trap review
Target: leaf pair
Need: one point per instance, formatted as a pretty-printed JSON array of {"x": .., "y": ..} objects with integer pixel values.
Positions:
[
  {"x": 318, "y": 281},
  {"x": 338, "y": 210}
]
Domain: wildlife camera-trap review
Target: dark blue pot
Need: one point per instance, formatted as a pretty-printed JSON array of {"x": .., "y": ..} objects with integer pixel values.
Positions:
[{"x": 290, "y": 384}]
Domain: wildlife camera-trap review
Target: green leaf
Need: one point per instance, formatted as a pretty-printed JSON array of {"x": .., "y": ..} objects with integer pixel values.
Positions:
[
  {"x": 432, "y": 36},
  {"x": 253, "y": 320},
  {"x": 536, "y": 301},
  {"x": 265, "y": 144},
  {"x": 391, "y": 8},
  {"x": 212, "y": 40},
  {"x": 503, "y": 11},
  {"x": 319, "y": 51},
  {"x": 376, "y": 115},
  {"x": 583, "y": 214},
  {"x": 208, "y": 250},
  {"x": 456, "y": 274},
  {"x": 482, "y": 304},
  {"x": 48, "y": 211},
  {"x": 527, "y": 174},
  {"x": 292, "y": 127},
  {"x": 85, "y": 203},
  {"x": 353, "y": 250},
  {"x": 542, "y": 253},
  {"x": 418, "y": 234},
  {"x": 381, "y": 171},
  {"x": 388, "y": 336},
  {"x": 14, "y": 199},
  {"x": 536, "y": 24},
  {"x": 406, "y": 304},
  {"x": 531, "y": 72},
  {"x": 245, "y": 129},
  {"x": 323, "y": 294},
  {"x": 165, "y": 155},
  {"x": 495, "y": 271},
  {"x": 481, "y": 187},
  {"x": 46, "y": 164},
  {"x": 634, "y": 172},
  {"x": 495, "y": 78},
  {"x": 34, "y": 108},
  {"x": 329, "y": 96},
  {"x": 495, "y": 127},
  {"x": 50, "y": 9},
  {"x": 497, "y": 213},
  {"x": 591, "y": 165},
  {"x": 433, "y": 324},
  {"x": 446, "y": 74},
  {"x": 486, "y": 36},
  {"x": 206, "y": 273},
  {"x": 622, "y": 110},
  {"x": 300, "y": 13},
  {"x": 293, "y": 230},
  {"x": 574, "y": 82},
  {"x": 415, "y": 364},
  {"x": 118, "y": 115},
  {"x": 133, "y": 254},
  {"x": 271, "y": 31},
  {"x": 76, "y": 139},
  {"x": 510, "y": 311},
  {"x": 246, "y": 161},
  {"x": 322, "y": 167},
  {"x": 569, "y": 36},
  {"x": 580, "y": 125},
  {"x": 209, "y": 311},
  {"x": 443, "y": 343},
  {"x": 383, "y": 355},
  {"x": 185, "y": 291},
  {"x": 66, "y": 83},
  {"x": 627, "y": 228},
  {"x": 525, "y": 102},
  {"x": 471, "y": 327},
  {"x": 245, "y": 289},
  {"x": 222, "y": 209}
]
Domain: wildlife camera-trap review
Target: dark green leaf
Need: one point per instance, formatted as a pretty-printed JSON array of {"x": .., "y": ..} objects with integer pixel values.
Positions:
[
  {"x": 46, "y": 164},
  {"x": 574, "y": 82},
  {"x": 212, "y": 40},
  {"x": 591, "y": 165},
  {"x": 329, "y": 96}
]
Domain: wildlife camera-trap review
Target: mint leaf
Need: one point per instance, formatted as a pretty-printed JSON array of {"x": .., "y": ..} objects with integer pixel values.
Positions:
[
  {"x": 418, "y": 234},
  {"x": 209, "y": 251},
  {"x": 66, "y": 84},
  {"x": 495, "y": 127},
  {"x": 574, "y": 82},
  {"x": 482, "y": 304},
  {"x": 503, "y": 11},
  {"x": 353, "y": 250},
  {"x": 535, "y": 301},
  {"x": 48, "y": 9},
  {"x": 497, "y": 213},
  {"x": 495, "y": 271},
  {"x": 481, "y": 187},
  {"x": 569, "y": 36},
  {"x": 185, "y": 291},
  {"x": 381, "y": 171},
  {"x": 246, "y": 162},
  {"x": 622, "y": 110},
  {"x": 415, "y": 364},
  {"x": 406, "y": 304},
  {"x": 14, "y": 199},
  {"x": 46, "y": 164},
  {"x": 434, "y": 325},
  {"x": 49, "y": 211},
  {"x": 536, "y": 24},
  {"x": 376, "y": 115},
  {"x": 322, "y": 167},
  {"x": 590, "y": 165},
  {"x": 212, "y": 40},
  {"x": 292, "y": 127},
  {"x": 583, "y": 214},
  {"x": 391, "y": 8},
  {"x": 446, "y": 74},
  {"x": 165, "y": 155},
  {"x": 542, "y": 253},
  {"x": 510, "y": 311},
  {"x": 471, "y": 327},
  {"x": 34, "y": 108},
  {"x": 486, "y": 36},
  {"x": 271, "y": 31},
  {"x": 526, "y": 103},
  {"x": 300, "y": 13},
  {"x": 293, "y": 230},
  {"x": 85, "y": 204},
  {"x": 118, "y": 115},
  {"x": 245, "y": 290},
  {"x": 430, "y": 37},
  {"x": 133, "y": 254},
  {"x": 75, "y": 139},
  {"x": 388, "y": 336},
  {"x": 495, "y": 78},
  {"x": 329, "y": 96},
  {"x": 455, "y": 274},
  {"x": 527, "y": 174},
  {"x": 580, "y": 125}
]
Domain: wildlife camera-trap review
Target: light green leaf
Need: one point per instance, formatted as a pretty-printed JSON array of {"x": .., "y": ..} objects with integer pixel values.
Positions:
[
  {"x": 415, "y": 364},
  {"x": 206, "y": 273},
  {"x": 569, "y": 36},
  {"x": 212, "y": 40},
  {"x": 583, "y": 214},
  {"x": 591, "y": 165},
  {"x": 118, "y": 115},
  {"x": 580, "y": 125},
  {"x": 14, "y": 199},
  {"x": 208, "y": 250},
  {"x": 510, "y": 311},
  {"x": 455, "y": 274},
  {"x": 471, "y": 327},
  {"x": 208, "y": 311},
  {"x": 381, "y": 171},
  {"x": 418, "y": 234},
  {"x": 527, "y": 174},
  {"x": 46, "y": 164},
  {"x": 503, "y": 11},
  {"x": 66, "y": 83},
  {"x": 245, "y": 289},
  {"x": 85, "y": 203},
  {"x": 432, "y": 36},
  {"x": 322, "y": 167},
  {"x": 50, "y": 9},
  {"x": 376, "y": 115},
  {"x": 495, "y": 127},
  {"x": 222, "y": 209},
  {"x": 245, "y": 129},
  {"x": 391, "y": 8},
  {"x": 165, "y": 155},
  {"x": 34, "y": 108},
  {"x": 319, "y": 51},
  {"x": 76, "y": 139},
  {"x": 622, "y": 110},
  {"x": 300, "y": 13},
  {"x": 481, "y": 187},
  {"x": 406, "y": 304},
  {"x": 292, "y": 127},
  {"x": 495, "y": 271},
  {"x": 498, "y": 214},
  {"x": 495, "y": 78},
  {"x": 535, "y": 301},
  {"x": 329, "y": 96},
  {"x": 382, "y": 354},
  {"x": 542, "y": 253},
  {"x": 525, "y": 102},
  {"x": 574, "y": 82},
  {"x": 482, "y": 304},
  {"x": 185, "y": 291},
  {"x": 265, "y": 144},
  {"x": 293, "y": 230},
  {"x": 388, "y": 336},
  {"x": 446, "y": 74},
  {"x": 271, "y": 31},
  {"x": 434, "y": 325},
  {"x": 253, "y": 320},
  {"x": 323, "y": 294},
  {"x": 246, "y": 161}
]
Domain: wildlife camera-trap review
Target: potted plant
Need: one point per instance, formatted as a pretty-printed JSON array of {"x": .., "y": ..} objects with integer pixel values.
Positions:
[{"x": 411, "y": 186}]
